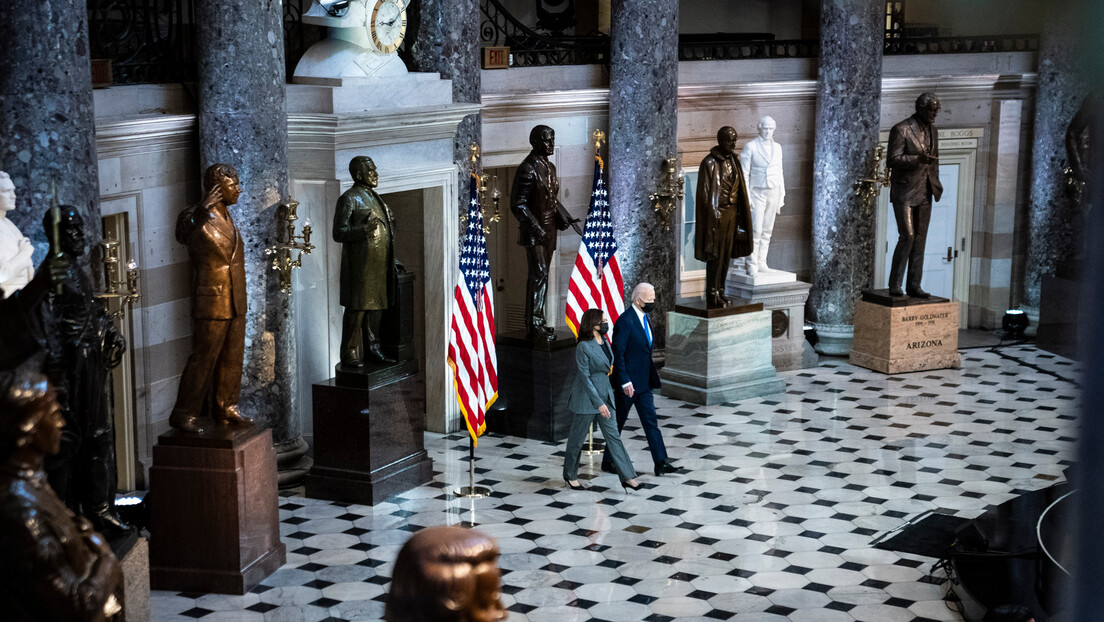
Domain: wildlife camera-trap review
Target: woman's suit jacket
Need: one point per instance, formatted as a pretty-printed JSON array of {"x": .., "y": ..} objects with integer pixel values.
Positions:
[{"x": 591, "y": 387}]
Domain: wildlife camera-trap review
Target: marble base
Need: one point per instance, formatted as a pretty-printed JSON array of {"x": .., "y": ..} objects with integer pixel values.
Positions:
[
  {"x": 368, "y": 443},
  {"x": 717, "y": 360},
  {"x": 214, "y": 511},
  {"x": 834, "y": 339},
  {"x": 894, "y": 339},
  {"x": 738, "y": 276},
  {"x": 136, "y": 583},
  {"x": 533, "y": 381},
  {"x": 786, "y": 302}
]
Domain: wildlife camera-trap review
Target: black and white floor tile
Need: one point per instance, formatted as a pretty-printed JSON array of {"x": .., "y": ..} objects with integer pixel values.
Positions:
[{"x": 773, "y": 520}]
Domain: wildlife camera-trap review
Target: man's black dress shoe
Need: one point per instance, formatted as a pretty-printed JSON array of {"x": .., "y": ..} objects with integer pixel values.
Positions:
[
  {"x": 667, "y": 467},
  {"x": 896, "y": 291},
  {"x": 918, "y": 293}
]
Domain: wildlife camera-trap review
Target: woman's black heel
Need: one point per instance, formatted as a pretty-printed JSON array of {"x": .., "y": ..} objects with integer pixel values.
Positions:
[
  {"x": 574, "y": 486},
  {"x": 627, "y": 488}
]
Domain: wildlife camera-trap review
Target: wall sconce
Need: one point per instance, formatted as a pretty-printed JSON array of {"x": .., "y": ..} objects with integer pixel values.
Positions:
[
  {"x": 496, "y": 196},
  {"x": 669, "y": 192},
  {"x": 287, "y": 241},
  {"x": 126, "y": 291},
  {"x": 867, "y": 189}
]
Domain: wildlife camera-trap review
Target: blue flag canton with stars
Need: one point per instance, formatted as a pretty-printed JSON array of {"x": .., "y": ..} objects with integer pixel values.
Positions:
[
  {"x": 598, "y": 235},
  {"x": 474, "y": 262}
]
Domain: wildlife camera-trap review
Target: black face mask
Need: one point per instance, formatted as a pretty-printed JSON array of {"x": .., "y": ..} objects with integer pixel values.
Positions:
[
  {"x": 603, "y": 328},
  {"x": 648, "y": 307}
]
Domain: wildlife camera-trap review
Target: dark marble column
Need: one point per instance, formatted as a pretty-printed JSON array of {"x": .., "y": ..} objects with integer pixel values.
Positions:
[
  {"x": 47, "y": 127},
  {"x": 849, "y": 86},
  {"x": 643, "y": 131},
  {"x": 242, "y": 122},
  {"x": 1053, "y": 215},
  {"x": 446, "y": 41}
]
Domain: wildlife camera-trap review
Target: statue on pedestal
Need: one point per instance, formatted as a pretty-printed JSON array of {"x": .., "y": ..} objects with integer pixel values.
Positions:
[
  {"x": 211, "y": 382},
  {"x": 53, "y": 564},
  {"x": 16, "y": 268},
  {"x": 365, "y": 227},
  {"x": 536, "y": 205},
  {"x": 913, "y": 161},
  {"x": 723, "y": 213},
  {"x": 83, "y": 346},
  {"x": 446, "y": 574},
  {"x": 761, "y": 160}
]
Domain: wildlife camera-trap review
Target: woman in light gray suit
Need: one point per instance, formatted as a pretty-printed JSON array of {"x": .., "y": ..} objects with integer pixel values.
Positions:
[{"x": 591, "y": 400}]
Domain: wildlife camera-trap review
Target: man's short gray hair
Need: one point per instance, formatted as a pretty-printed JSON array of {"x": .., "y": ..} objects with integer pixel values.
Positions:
[
  {"x": 763, "y": 121},
  {"x": 640, "y": 289}
]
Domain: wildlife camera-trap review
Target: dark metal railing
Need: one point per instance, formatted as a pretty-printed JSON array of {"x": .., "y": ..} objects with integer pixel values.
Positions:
[
  {"x": 147, "y": 41},
  {"x": 529, "y": 48},
  {"x": 298, "y": 37},
  {"x": 962, "y": 45},
  {"x": 725, "y": 49}
]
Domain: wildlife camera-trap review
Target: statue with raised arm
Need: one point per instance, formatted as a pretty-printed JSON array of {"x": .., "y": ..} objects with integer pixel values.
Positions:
[
  {"x": 364, "y": 226},
  {"x": 16, "y": 268}
]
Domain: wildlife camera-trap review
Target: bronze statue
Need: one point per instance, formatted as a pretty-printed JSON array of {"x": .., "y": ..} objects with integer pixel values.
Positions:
[
  {"x": 366, "y": 229},
  {"x": 723, "y": 213},
  {"x": 446, "y": 574},
  {"x": 535, "y": 203},
  {"x": 53, "y": 564},
  {"x": 211, "y": 382},
  {"x": 83, "y": 346},
  {"x": 913, "y": 162}
]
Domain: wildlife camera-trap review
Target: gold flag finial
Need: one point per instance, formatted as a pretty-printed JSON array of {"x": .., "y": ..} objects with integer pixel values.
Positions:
[{"x": 599, "y": 138}]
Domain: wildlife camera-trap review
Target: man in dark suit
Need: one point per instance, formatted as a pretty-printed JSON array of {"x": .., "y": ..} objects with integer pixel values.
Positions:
[
  {"x": 537, "y": 208},
  {"x": 635, "y": 375},
  {"x": 212, "y": 375},
  {"x": 913, "y": 162}
]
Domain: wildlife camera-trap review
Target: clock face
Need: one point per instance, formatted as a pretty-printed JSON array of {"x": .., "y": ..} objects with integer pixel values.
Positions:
[{"x": 388, "y": 24}]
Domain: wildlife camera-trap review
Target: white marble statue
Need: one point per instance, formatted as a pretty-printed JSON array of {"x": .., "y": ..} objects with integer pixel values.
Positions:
[
  {"x": 350, "y": 52},
  {"x": 761, "y": 160},
  {"x": 16, "y": 269}
]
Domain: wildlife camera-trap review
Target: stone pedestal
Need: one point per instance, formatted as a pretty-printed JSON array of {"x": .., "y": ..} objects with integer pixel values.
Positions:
[
  {"x": 368, "y": 442},
  {"x": 533, "y": 380},
  {"x": 719, "y": 355},
  {"x": 136, "y": 582},
  {"x": 900, "y": 334},
  {"x": 214, "y": 514},
  {"x": 786, "y": 302}
]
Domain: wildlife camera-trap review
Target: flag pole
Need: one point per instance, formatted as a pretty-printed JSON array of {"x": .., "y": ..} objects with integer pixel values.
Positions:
[{"x": 471, "y": 491}]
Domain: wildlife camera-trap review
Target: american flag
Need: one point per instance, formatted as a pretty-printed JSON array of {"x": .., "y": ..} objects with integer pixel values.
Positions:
[
  {"x": 471, "y": 352},
  {"x": 596, "y": 280}
]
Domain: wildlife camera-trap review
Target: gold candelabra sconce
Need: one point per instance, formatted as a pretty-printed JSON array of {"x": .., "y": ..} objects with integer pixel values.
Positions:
[
  {"x": 867, "y": 189},
  {"x": 484, "y": 183},
  {"x": 125, "y": 289},
  {"x": 669, "y": 193},
  {"x": 287, "y": 242}
]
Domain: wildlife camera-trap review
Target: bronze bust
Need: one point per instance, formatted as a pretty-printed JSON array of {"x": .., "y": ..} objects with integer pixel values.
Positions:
[
  {"x": 446, "y": 574},
  {"x": 913, "y": 162},
  {"x": 53, "y": 565},
  {"x": 211, "y": 382},
  {"x": 83, "y": 345},
  {"x": 365, "y": 227},
  {"x": 723, "y": 213},
  {"x": 535, "y": 203}
]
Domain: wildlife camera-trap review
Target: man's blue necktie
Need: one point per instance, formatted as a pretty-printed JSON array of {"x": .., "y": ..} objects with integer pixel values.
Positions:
[{"x": 648, "y": 330}]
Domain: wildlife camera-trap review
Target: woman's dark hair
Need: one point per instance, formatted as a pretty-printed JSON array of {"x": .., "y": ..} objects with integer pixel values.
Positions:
[
  {"x": 590, "y": 319},
  {"x": 1009, "y": 613}
]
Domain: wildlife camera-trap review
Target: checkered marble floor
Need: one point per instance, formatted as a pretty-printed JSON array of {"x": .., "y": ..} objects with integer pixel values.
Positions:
[{"x": 773, "y": 520}]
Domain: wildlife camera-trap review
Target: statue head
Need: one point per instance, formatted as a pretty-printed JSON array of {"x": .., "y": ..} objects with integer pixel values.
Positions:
[
  {"x": 446, "y": 574},
  {"x": 726, "y": 139},
  {"x": 7, "y": 194},
  {"x": 927, "y": 106},
  {"x": 30, "y": 417},
  {"x": 363, "y": 170},
  {"x": 70, "y": 229},
  {"x": 543, "y": 140},
  {"x": 766, "y": 128},
  {"x": 226, "y": 178}
]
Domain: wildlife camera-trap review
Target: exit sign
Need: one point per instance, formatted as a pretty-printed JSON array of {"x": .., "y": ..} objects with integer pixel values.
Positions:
[{"x": 496, "y": 57}]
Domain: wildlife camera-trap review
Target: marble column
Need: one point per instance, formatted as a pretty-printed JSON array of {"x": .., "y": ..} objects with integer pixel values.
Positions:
[
  {"x": 1053, "y": 215},
  {"x": 643, "y": 131},
  {"x": 849, "y": 86},
  {"x": 446, "y": 41},
  {"x": 242, "y": 122},
  {"x": 47, "y": 126}
]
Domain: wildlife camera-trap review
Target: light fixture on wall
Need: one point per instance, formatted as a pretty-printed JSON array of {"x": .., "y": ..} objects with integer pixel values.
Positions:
[
  {"x": 669, "y": 192},
  {"x": 867, "y": 189},
  {"x": 126, "y": 291},
  {"x": 1014, "y": 324},
  {"x": 287, "y": 241}
]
